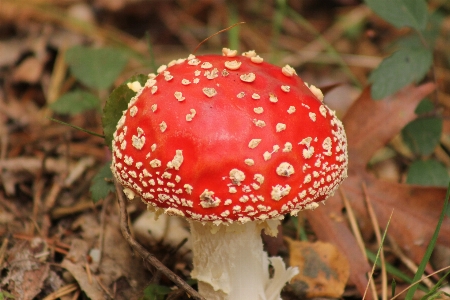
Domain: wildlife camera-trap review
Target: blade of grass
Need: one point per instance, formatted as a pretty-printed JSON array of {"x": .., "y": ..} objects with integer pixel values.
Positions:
[
  {"x": 430, "y": 248},
  {"x": 328, "y": 47},
  {"x": 76, "y": 127},
  {"x": 434, "y": 290},
  {"x": 233, "y": 33},
  {"x": 378, "y": 254},
  {"x": 153, "y": 65},
  {"x": 277, "y": 23},
  {"x": 418, "y": 281},
  {"x": 393, "y": 270}
]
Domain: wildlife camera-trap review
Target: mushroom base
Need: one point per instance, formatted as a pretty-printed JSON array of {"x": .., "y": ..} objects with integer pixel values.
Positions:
[{"x": 229, "y": 262}]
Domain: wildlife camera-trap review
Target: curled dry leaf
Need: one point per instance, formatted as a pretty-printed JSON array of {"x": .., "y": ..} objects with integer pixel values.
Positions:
[
  {"x": 325, "y": 270},
  {"x": 369, "y": 126}
]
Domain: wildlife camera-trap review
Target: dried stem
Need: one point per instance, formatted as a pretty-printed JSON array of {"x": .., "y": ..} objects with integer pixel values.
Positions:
[{"x": 147, "y": 256}]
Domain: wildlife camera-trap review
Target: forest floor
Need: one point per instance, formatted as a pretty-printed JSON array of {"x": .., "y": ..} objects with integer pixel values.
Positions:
[{"x": 57, "y": 243}]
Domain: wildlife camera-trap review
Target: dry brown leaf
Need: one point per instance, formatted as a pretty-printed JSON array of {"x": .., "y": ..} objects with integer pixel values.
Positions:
[
  {"x": 369, "y": 126},
  {"x": 26, "y": 273},
  {"x": 324, "y": 270}
]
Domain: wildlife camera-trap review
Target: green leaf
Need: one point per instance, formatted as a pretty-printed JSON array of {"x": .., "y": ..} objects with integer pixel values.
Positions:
[
  {"x": 411, "y": 13},
  {"x": 428, "y": 173},
  {"x": 424, "y": 106},
  {"x": 422, "y": 135},
  {"x": 401, "y": 68},
  {"x": 155, "y": 292},
  {"x": 100, "y": 188},
  {"x": 116, "y": 104},
  {"x": 96, "y": 68},
  {"x": 430, "y": 248},
  {"x": 75, "y": 102}
]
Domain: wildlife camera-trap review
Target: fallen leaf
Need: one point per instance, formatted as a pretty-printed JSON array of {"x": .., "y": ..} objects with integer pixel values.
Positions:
[
  {"x": 26, "y": 273},
  {"x": 369, "y": 126},
  {"x": 324, "y": 270}
]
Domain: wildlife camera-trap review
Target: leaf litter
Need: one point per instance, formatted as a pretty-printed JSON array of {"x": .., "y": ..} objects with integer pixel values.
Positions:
[{"x": 63, "y": 245}]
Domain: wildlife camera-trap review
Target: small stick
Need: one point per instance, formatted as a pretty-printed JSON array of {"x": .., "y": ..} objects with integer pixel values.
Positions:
[
  {"x": 147, "y": 256},
  {"x": 218, "y": 32}
]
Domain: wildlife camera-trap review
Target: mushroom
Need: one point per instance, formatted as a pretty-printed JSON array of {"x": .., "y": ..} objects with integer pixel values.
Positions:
[{"x": 231, "y": 143}]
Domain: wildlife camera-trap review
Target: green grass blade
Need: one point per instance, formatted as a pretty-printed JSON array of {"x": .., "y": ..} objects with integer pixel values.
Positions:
[
  {"x": 378, "y": 253},
  {"x": 233, "y": 33},
  {"x": 78, "y": 128},
  {"x": 430, "y": 249},
  {"x": 394, "y": 271}
]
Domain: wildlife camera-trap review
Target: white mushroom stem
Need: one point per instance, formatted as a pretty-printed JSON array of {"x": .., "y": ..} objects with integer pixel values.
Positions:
[{"x": 229, "y": 262}]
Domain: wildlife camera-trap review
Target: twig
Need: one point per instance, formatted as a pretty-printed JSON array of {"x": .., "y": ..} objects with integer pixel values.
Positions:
[{"x": 147, "y": 256}]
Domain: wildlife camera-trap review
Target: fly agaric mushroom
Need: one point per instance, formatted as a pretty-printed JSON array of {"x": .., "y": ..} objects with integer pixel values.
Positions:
[{"x": 233, "y": 144}]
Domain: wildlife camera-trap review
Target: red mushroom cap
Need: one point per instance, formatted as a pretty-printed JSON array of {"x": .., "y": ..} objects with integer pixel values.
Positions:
[{"x": 229, "y": 138}]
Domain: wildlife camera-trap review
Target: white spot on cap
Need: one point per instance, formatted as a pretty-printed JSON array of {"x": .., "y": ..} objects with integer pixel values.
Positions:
[
  {"x": 163, "y": 126},
  {"x": 193, "y": 62},
  {"x": 267, "y": 155},
  {"x": 258, "y": 110},
  {"x": 138, "y": 141},
  {"x": 196, "y": 80},
  {"x": 316, "y": 91},
  {"x": 207, "y": 200},
  {"x": 280, "y": 127},
  {"x": 133, "y": 111},
  {"x": 150, "y": 82},
  {"x": 153, "y": 147},
  {"x": 206, "y": 65},
  {"x": 185, "y": 82},
  {"x": 256, "y": 96},
  {"x": 155, "y": 163},
  {"x": 279, "y": 191},
  {"x": 135, "y": 86},
  {"x": 240, "y": 95},
  {"x": 250, "y": 77},
  {"x": 253, "y": 143},
  {"x": 257, "y": 59},
  {"x": 309, "y": 151},
  {"x": 327, "y": 145},
  {"x": 154, "y": 107},
  {"x": 258, "y": 178},
  {"x": 312, "y": 116},
  {"x": 210, "y": 92},
  {"x": 228, "y": 52},
  {"x": 249, "y": 162},
  {"x": 237, "y": 176},
  {"x": 273, "y": 98},
  {"x": 191, "y": 116},
  {"x": 250, "y": 53},
  {"x": 285, "y": 88},
  {"x": 307, "y": 178},
  {"x": 285, "y": 169},
  {"x": 154, "y": 89},
  {"x": 291, "y": 110},
  {"x": 179, "y": 96},
  {"x": 188, "y": 188},
  {"x": 323, "y": 111},
  {"x": 287, "y": 147},
  {"x": 232, "y": 65},
  {"x": 176, "y": 161},
  {"x": 161, "y": 69},
  {"x": 232, "y": 190},
  {"x": 288, "y": 71},
  {"x": 259, "y": 123},
  {"x": 129, "y": 193}
]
